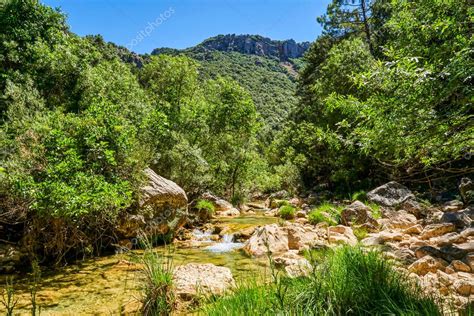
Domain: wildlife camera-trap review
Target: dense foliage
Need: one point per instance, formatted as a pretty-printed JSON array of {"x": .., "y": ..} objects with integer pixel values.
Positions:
[
  {"x": 386, "y": 94},
  {"x": 271, "y": 83},
  {"x": 79, "y": 126}
]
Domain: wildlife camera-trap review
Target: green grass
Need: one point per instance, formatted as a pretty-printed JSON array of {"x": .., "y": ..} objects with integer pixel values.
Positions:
[
  {"x": 345, "y": 281},
  {"x": 157, "y": 287},
  {"x": 359, "y": 196},
  {"x": 287, "y": 212},
  {"x": 205, "y": 205},
  {"x": 360, "y": 233},
  {"x": 317, "y": 214},
  {"x": 376, "y": 210}
]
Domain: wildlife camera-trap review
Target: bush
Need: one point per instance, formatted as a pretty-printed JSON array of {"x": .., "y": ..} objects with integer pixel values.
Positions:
[
  {"x": 205, "y": 205},
  {"x": 287, "y": 212},
  {"x": 359, "y": 196}
]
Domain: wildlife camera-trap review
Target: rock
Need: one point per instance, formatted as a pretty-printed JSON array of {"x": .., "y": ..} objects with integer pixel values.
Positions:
[
  {"x": 413, "y": 207},
  {"x": 426, "y": 264},
  {"x": 269, "y": 238},
  {"x": 447, "y": 239},
  {"x": 464, "y": 287},
  {"x": 460, "y": 219},
  {"x": 467, "y": 246},
  {"x": 303, "y": 236},
  {"x": 466, "y": 188},
  {"x": 399, "y": 220},
  {"x": 270, "y": 202},
  {"x": 220, "y": 205},
  {"x": 435, "y": 230},
  {"x": 301, "y": 214},
  {"x": 296, "y": 202},
  {"x": 256, "y": 206},
  {"x": 470, "y": 261},
  {"x": 448, "y": 253},
  {"x": 357, "y": 213},
  {"x": 233, "y": 212},
  {"x": 271, "y": 213},
  {"x": 414, "y": 230},
  {"x": 193, "y": 280},
  {"x": 341, "y": 235},
  {"x": 245, "y": 233},
  {"x": 163, "y": 209},
  {"x": 405, "y": 255},
  {"x": 373, "y": 241},
  {"x": 11, "y": 258},
  {"x": 469, "y": 232},
  {"x": 458, "y": 265},
  {"x": 391, "y": 194},
  {"x": 453, "y": 206},
  {"x": 294, "y": 264}
]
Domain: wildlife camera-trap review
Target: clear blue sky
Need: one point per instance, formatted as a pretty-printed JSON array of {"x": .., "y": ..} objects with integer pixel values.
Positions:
[{"x": 143, "y": 25}]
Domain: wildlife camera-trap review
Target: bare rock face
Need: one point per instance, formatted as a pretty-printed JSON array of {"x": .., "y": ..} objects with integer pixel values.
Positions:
[
  {"x": 269, "y": 238},
  {"x": 390, "y": 194},
  {"x": 341, "y": 235},
  {"x": 193, "y": 280},
  {"x": 162, "y": 209}
]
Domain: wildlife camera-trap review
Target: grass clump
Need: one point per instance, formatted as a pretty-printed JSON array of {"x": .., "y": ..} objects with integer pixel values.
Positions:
[
  {"x": 205, "y": 205},
  {"x": 359, "y": 196},
  {"x": 326, "y": 212},
  {"x": 347, "y": 280},
  {"x": 376, "y": 210},
  {"x": 360, "y": 232},
  {"x": 287, "y": 212},
  {"x": 157, "y": 292}
]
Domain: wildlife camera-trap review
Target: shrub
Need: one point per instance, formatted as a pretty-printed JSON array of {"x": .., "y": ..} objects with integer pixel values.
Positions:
[
  {"x": 359, "y": 196},
  {"x": 316, "y": 216},
  {"x": 204, "y": 205},
  {"x": 287, "y": 212}
]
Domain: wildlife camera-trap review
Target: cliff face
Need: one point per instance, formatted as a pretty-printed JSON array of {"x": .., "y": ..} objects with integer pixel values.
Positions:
[{"x": 256, "y": 45}]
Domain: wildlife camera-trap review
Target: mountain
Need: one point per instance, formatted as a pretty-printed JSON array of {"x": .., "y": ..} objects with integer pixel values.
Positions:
[{"x": 266, "y": 68}]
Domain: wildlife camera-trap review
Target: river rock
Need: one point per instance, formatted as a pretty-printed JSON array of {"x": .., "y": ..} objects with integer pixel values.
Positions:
[
  {"x": 357, "y": 213},
  {"x": 293, "y": 264},
  {"x": 427, "y": 264},
  {"x": 269, "y": 238},
  {"x": 460, "y": 219},
  {"x": 391, "y": 194},
  {"x": 193, "y": 280},
  {"x": 341, "y": 235},
  {"x": 435, "y": 230},
  {"x": 303, "y": 236},
  {"x": 162, "y": 209}
]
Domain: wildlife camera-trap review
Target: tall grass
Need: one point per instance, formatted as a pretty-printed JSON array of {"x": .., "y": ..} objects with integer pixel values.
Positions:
[
  {"x": 157, "y": 291},
  {"x": 345, "y": 281}
]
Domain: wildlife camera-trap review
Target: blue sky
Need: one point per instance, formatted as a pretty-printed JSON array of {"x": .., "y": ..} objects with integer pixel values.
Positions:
[{"x": 143, "y": 25}]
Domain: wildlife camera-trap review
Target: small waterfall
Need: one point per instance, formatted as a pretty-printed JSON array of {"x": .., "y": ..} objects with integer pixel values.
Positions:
[
  {"x": 225, "y": 245},
  {"x": 202, "y": 235}
]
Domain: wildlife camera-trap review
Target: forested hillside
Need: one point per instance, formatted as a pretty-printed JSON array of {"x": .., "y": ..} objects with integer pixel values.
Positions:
[{"x": 271, "y": 81}]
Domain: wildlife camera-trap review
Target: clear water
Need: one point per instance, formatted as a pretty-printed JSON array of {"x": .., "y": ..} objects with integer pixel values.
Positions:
[{"x": 110, "y": 285}]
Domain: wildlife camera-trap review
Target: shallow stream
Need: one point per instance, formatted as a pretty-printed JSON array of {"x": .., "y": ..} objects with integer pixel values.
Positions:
[{"x": 109, "y": 285}]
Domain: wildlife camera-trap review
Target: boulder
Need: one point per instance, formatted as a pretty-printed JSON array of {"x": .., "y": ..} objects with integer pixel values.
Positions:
[
  {"x": 414, "y": 230},
  {"x": 452, "y": 206},
  {"x": 460, "y": 219},
  {"x": 435, "y": 230},
  {"x": 391, "y": 194},
  {"x": 458, "y": 265},
  {"x": 293, "y": 264},
  {"x": 233, "y": 212},
  {"x": 357, "y": 213},
  {"x": 464, "y": 287},
  {"x": 399, "y": 220},
  {"x": 193, "y": 280},
  {"x": 448, "y": 253},
  {"x": 220, "y": 205},
  {"x": 162, "y": 209},
  {"x": 427, "y": 264},
  {"x": 447, "y": 239},
  {"x": 269, "y": 238},
  {"x": 303, "y": 236},
  {"x": 341, "y": 235}
]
